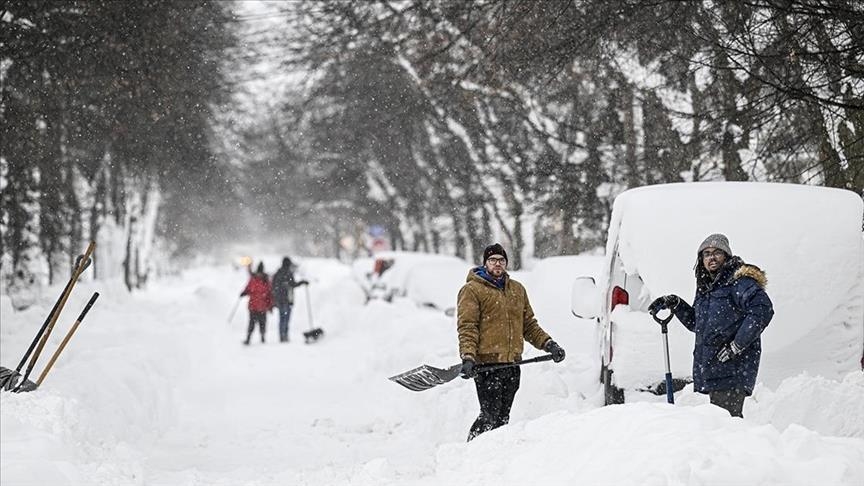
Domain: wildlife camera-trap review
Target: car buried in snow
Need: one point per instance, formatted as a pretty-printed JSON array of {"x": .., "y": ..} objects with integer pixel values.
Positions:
[
  {"x": 806, "y": 239},
  {"x": 429, "y": 279}
]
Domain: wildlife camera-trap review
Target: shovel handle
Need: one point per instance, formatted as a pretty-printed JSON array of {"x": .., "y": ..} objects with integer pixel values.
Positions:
[
  {"x": 498, "y": 366},
  {"x": 309, "y": 306},
  {"x": 58, "y": 305},
  {"x": 670, "y": 392},
  {"x": 664, "y": 321},
  {"x": 67, "y": 338},
  {"x": 49, "y": 324}
]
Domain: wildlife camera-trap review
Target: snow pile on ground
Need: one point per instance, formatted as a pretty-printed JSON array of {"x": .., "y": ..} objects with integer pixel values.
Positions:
[
  {"x": 157, "y": 389},
  {"x": 823, "y": 405}
]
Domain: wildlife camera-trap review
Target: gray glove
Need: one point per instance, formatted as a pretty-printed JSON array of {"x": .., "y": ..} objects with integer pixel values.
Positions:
[{"x": 728, "y": 352}]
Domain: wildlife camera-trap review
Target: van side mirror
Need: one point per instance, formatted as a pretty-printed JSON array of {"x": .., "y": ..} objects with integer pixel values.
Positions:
[{"x": 585, "y": 298}]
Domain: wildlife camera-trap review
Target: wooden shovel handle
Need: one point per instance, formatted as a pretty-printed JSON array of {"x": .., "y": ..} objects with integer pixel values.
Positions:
[
  {"x": 78, "y": 271},
  {"x": 67, "y": 338}
]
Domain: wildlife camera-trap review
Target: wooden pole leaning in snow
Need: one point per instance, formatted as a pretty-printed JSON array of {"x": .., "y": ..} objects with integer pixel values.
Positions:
[{"x": 67, "y": 338}]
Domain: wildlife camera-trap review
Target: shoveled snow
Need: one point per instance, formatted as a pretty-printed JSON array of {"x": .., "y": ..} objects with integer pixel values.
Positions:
[{"x": 156, "y": 388}]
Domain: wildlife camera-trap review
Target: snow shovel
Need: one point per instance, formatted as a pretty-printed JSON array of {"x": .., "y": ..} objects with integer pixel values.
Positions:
[
  {"x": 670, "y": 391},
  {"x": 28, "y": 385},
  {"x": 314, "y": 333},
  {"x": 8, "y": 377},
  {"x": 426, "y": 377}
]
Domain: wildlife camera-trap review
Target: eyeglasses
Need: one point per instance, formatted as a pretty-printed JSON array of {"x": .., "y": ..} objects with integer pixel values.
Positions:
[
  {"x": 716, "y": 254},
  {"x": 497, "y": 260}
]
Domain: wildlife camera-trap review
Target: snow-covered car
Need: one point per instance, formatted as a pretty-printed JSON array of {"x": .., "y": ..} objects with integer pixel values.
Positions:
[
  {"x": 393, "y": 270},
  {"x": 807, "y": 240},
  {"x": 548, "y": 284},
  {"x": 436, "y": 285}
]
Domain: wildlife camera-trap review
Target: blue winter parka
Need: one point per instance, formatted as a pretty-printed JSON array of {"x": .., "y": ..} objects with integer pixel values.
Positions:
[{"x": 734, "y": 306}]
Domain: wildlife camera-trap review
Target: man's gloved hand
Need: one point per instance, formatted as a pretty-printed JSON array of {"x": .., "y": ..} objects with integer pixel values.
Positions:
[
  {"x": 556, "y": 351},
  {"x": 468, "y": 370},
  {"x": 670, "y": 302},
  {"x": 728, "y": 352}
]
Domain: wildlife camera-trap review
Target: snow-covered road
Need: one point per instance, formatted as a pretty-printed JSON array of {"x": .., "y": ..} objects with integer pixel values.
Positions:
[{"x": 157, "y": 389}]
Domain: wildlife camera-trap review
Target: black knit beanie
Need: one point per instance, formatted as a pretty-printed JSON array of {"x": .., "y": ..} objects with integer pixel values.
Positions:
[{"x": 494, "y": 249}]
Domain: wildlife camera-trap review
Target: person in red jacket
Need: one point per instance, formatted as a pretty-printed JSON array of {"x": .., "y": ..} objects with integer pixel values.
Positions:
[{"x": 260, "y": 301}]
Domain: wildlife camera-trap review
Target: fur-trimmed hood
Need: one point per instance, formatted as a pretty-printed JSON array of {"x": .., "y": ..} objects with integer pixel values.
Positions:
[
  {"x": 752, "y": 271},
  {"x": 731, "y": 271}
]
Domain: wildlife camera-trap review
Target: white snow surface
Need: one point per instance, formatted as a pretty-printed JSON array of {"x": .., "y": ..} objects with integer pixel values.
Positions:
[{"x": 155, "y": 388}]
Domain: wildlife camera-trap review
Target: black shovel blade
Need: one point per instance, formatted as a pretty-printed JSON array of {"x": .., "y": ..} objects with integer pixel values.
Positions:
[
  {"x": 8, "y": 378},
  {"x": 425, "y": 377},
  {"x": 25, "y": 386},
  {"x": 313, "y": 335}
]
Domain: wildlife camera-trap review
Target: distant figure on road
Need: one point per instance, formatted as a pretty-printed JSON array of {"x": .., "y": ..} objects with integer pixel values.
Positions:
[
  {"x": 729, "y": 313},
  {"x": 283, "y": 295},
  {"x": 494, "y": 320},
  {"x": 260, "y": 301}
]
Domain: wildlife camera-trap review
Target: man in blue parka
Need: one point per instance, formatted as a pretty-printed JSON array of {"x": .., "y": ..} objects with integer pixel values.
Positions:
[{"x": 729, "y": 313}]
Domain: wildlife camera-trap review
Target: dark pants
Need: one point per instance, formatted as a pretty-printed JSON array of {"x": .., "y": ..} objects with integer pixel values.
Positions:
[
  {"x": 284, "y": 318},
  {"x": 731, "y": 400},
  {"x": 495, "y": 390},
  {"x": 261, "y": 319}
]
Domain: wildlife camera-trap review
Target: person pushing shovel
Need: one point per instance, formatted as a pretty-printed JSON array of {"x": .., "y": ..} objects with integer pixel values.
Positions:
[{"x": 494, "y": 320}]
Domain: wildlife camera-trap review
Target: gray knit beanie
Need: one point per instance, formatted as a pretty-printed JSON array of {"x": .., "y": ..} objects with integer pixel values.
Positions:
[{"x": 718, "y": 241}]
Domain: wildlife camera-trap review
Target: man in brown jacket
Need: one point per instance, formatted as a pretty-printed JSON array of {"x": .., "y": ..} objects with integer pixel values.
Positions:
[{"x": 494, "y": 320}]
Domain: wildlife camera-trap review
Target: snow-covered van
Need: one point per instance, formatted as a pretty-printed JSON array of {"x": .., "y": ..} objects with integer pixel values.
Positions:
[{"x": 807, "y": 240}]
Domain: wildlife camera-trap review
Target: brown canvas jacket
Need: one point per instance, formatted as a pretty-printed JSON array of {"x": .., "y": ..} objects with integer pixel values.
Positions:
[{"x": 494, "y": 323}]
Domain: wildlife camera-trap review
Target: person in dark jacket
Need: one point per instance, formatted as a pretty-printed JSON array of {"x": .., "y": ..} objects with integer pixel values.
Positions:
[
  {"x": 260, "y": 301},
  {"x": 283, "y": 295},
  {"x": 494, "y": 320},
  {"x": 729, "y": 313}
]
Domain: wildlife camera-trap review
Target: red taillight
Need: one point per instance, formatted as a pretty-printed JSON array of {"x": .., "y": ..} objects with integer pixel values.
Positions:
[{"x": 619, "y": 296}]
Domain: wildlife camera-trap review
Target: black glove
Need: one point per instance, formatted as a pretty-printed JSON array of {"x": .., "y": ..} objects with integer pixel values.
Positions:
[
  {"x": 665, "y": 302},
  {"x": 303, "y": 282},
  {"x": 556, "y": 351},
  {"x": 728, "y": 352},
  {"x": 468, "y": 370}
]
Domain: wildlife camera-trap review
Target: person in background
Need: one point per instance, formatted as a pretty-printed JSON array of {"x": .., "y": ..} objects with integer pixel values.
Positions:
[
  {"x": 283, "y": 295},
  {"x": 260, "y": 301},
  {"x": 494, "y": 320},
  {"x": 729, "y": 313}
]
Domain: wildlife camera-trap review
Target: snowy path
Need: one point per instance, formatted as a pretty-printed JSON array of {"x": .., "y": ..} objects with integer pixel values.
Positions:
[
  {"x": 157, "y": 389},
  {"x": 259, "y": 411}
]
